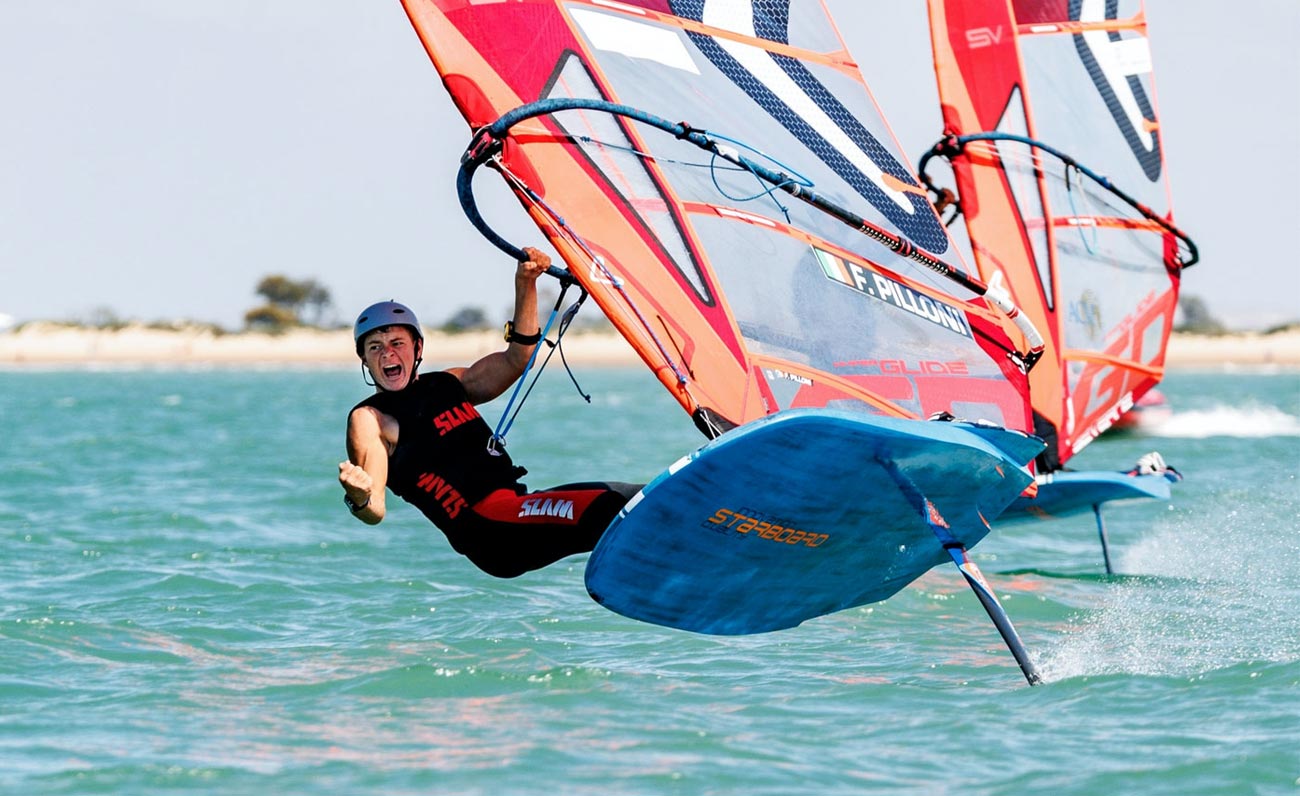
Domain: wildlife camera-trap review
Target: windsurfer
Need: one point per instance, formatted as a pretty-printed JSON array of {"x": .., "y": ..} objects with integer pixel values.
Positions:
[{"x": 421, "y": 436}]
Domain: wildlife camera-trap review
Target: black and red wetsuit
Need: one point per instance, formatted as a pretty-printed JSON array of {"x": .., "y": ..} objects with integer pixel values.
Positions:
[{"x": 442, "y": 466}]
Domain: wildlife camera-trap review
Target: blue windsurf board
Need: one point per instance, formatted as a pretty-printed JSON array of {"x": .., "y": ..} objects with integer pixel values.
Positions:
[
  {"x": 1066, "y": 493},
  {"x": 801, "y": 514}
]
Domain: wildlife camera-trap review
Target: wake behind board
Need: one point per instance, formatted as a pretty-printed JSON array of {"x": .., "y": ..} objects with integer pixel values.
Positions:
[
  {"x": 801, "y": 514},
  {"x": 1063, "y": 494}
]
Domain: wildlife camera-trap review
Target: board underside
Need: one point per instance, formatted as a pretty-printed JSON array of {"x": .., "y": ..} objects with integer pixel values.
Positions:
[
  {"x": 1070, "y": 493},
  {"x": 801, "y": 514}
]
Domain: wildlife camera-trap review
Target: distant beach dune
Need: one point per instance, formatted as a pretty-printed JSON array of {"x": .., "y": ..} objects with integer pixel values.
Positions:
[
  {"x": 40, "y": 344},
  {"x": 1242, "y": 348}
]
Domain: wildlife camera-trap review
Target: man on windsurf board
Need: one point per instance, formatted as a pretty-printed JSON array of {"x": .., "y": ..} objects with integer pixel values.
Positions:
[{"x": 421, "y": 436}]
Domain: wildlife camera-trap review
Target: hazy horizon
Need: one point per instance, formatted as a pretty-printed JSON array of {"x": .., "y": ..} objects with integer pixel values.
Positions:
[{"x": 160, "y": 158}]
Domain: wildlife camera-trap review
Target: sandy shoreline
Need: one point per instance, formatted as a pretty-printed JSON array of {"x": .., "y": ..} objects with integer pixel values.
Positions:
[
  {"x": 47, "y": 345},
  {"x": 51, "y": 344}
]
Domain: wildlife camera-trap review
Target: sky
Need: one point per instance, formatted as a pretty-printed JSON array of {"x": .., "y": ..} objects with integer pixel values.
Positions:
[{"x": 159, "y": 157}]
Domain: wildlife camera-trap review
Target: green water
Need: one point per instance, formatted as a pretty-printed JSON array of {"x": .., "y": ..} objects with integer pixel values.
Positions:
[{"x": 188, "y": 607}]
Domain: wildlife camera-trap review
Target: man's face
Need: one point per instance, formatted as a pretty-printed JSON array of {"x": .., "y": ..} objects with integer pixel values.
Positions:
[{"x": 390, "y": 354}]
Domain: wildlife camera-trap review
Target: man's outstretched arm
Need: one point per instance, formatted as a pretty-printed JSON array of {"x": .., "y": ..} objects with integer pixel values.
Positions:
[{"x": 365, "y": 474}]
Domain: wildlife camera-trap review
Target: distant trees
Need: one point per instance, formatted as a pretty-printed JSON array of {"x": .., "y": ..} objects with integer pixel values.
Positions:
[
  {"x": 466, "y": 319},
  {"x": 289, "y": 302},
  {"x": 104, "y": 317},
  {"x": 474, "y": 319},
  {"x": 1197, "y": 318}
]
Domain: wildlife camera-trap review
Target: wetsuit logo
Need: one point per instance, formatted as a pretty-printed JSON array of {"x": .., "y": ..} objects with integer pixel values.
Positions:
[
  {"x": 455, "y": 416},
  {"x": 549, "y": 507},
  {"x": 452, "y": 502}
]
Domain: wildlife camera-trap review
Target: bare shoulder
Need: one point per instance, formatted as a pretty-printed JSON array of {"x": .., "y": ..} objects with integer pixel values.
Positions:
[
  {"x": 363, "y": 418},
  {"x": 367, "y": 426}
]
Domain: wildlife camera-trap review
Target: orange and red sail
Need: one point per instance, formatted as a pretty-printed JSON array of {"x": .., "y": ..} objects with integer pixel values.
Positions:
[
  {"x": 1096, "y": 269},
  {"x": 741, "y": 302}
]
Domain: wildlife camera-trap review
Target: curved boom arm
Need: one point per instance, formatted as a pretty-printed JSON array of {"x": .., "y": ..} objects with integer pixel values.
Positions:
[{"x": 487, "y": 142}]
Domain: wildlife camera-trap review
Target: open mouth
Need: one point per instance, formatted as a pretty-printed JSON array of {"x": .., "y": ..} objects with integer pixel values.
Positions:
[{"x": 392, "y": 371}]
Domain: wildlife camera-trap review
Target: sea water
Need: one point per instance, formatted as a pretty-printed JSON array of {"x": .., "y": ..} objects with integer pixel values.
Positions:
[{"x": 187, "y": 606}]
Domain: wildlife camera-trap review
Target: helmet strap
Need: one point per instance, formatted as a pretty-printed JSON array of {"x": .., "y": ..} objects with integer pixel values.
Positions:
[
  {"x": 415, "y": 371},
  {"x": 419, "y": 356}
]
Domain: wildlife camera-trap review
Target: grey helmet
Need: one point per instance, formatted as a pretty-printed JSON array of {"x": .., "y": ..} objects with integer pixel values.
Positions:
[{"x": 385, "y": 313}]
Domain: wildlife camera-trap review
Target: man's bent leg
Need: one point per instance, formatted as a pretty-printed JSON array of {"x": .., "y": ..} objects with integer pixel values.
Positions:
[{"x": 511, "y": 534}]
